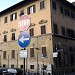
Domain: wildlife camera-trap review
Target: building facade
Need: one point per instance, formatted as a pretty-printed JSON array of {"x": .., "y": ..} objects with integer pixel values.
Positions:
[{"x": 51, "y": 30}]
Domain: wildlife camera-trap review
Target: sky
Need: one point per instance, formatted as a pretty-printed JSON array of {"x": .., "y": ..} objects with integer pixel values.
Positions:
[{"x": 4, "y": 4}]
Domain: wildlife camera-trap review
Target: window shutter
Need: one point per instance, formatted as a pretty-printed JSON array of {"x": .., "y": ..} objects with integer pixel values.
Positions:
[
  {"x": 43, "y": 29},
  {"x": 55, "y": 28},
  {"x": 34, "y": 9},
  {"x": 4, "y": 54},
  {"x": 13, "y": 53},
  {"x": 28, "y": 10},
  {"x": 42, "y": 5},
  {"x": 13, "y": 36},
  {"x": 15, "y": 16},
  {"x": 44, "y": 51},
  {"x": 11, "y": 17},
  {"x": 32, "y": 32},
  {"x": 31, "y": 52}
]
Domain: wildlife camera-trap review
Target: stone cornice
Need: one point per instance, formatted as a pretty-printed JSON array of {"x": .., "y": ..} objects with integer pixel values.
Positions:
[
  {"x": 12, "y": 30},
  {"x": 5, "y": 32},
  {"x": 43, "y": 21}
]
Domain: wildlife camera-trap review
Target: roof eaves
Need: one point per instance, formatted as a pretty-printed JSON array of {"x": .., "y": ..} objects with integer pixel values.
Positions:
[{"x": 16, "y": 6}]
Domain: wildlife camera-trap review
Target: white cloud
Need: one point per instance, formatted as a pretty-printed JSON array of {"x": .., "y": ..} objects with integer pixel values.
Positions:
[
  {"x": 20, "y": 0},
  {"x": 71, "y": 1}
]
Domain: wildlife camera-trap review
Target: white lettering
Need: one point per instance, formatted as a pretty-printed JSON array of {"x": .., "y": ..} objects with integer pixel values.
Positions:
[
  {"x": 24, "y": 22},
  {"x": 28, "y": 21}
]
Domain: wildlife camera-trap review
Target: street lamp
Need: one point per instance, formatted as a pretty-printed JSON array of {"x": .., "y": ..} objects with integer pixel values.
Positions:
[
  {"x": 55, "y": 54},
  {"x": 37, "y": 56},
  {"x": 8, "y": 61},
  {"x": 43, "y": 63},
  {"x": 17, "y": 60}
]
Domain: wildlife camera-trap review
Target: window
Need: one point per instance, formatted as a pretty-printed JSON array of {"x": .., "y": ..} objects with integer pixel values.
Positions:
[
  {"x": 45, "y": 67},
  {"x": 31, "y": 52},
  {"x": 42, "y": 5},
  {"x": 31, "y": 9},
  {"x": 5, "y": 38},
  {"x": 72, "y": 15},
  {"x": 5, "y": 20},
  {"x": 4, "y": 54},
  {"x": 61, "y": 10},
  {"x": 44, "y": 51},
  {"x": 31, "y": 66},
  {"x": 12, "y": 66},
  {"x": 66, "y": 59},
  {"x": 55, "y": 29},
  {"x": 43, "y": 29},
  {"x": 32, "y": 32},
  {"x": 63, "y": 31},
  {"x": 70, "y": 33},
  {"x": 21, "y": 67},
  {"x": 4, "y": 65},
  {"x": 54, "y": 5},
  {"x": 59, "y": 58},
  {"x": 13, "y": 36},
  {"x": 72, "y": 59},
  {"x": 70, "y": 49},
  {"x": 21, "y": 13},
  {"x": 67, "y": 12},
  {"x": 13, "y": 53},
  {"x": 13, "y": 17}
]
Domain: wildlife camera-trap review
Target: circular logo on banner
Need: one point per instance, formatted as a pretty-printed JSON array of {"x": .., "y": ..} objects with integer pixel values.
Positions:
[
  {"x": 24, "y": 23},
  {"x": 24, "y": 39}
]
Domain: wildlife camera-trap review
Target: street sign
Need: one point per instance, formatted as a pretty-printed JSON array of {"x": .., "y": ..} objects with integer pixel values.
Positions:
[
  {"x": 24, "y": 22},
  {"x": 55, "y": 54},
  {"x": 24, "y": 39},
  {"x": 42, "y": 56},
  {"x": 23, "y": 53}
]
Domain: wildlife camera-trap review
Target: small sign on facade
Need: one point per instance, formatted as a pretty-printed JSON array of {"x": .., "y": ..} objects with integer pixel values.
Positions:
[
  {"x": 23, "y": 53},
  {"x": 55, "y": 54}
]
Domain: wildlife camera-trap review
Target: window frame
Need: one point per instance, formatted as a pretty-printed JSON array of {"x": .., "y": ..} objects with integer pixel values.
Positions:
[
  {"x": 42, "y": 5},
  {"x": 5, "y": 19},
  {"x": 31, "y": 66},
  {"x": 63, "y": 31},
  {"x": 31, "y": 9},
  {"x": 55, "y": 28},
  {"x": 5, "y": 38},
  {"x": 31, "y": 52},
  {"x": 13, "y": 36},
  {"x": 13, "y": 16},
  {"x": 54, "y": 6},
  {"x": 44, "y": 51},
  {"x": 43, "y": 29},
  {"x": 31, "y": 30},
  {"x": 13, "y": 54},
  {"x": 21, "y": 13},
  {"x": 4, "y": 54}
]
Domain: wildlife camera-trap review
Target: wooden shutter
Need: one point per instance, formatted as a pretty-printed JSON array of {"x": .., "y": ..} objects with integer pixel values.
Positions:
[
  {"x": 15, "y": 16},
  {"x": 13, "y": 53},
  {"x": 4, "y": 54},
  {"x": 44, "y": 51},
  {"x": 34, "y": 9},
  {"x": 11, "y": 17},
  {"x": 28, "y": 10},
  {"x": 31, "y": 52}
]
